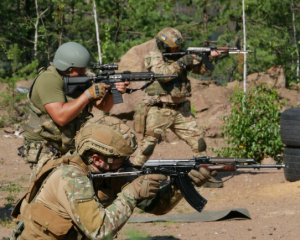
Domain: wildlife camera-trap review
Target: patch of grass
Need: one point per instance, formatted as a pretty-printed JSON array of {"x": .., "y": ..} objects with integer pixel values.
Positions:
[
  {"x": 134, "y": 234},
  {"x": 141, "y": 211},
  {"x": 193, "y": 110},
  {"x": 6, "y": 222},
  {"x": 13, "y": 190}
]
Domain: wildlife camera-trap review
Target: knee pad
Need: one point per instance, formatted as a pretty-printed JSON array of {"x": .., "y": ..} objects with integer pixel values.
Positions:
[
  {"x": 201, "y": 145},
  {"x": 149, "y": 150}
]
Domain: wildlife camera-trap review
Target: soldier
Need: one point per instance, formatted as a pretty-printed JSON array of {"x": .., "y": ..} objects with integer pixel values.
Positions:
[
  {"x": 64, "y": 203},
  {"x": 166, "y": 99},
  {"x": 53, "y": 117}
]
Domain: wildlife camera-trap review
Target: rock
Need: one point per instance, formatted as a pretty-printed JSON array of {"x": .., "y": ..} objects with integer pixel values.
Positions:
[
  {"x": 295, "y": 86},
  {"x": 133, "y": 61},
  {"x": 274, "y": 77}
]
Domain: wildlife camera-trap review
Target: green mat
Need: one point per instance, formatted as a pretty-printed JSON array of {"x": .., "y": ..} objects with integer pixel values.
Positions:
[{"x": 204, "y": 216}]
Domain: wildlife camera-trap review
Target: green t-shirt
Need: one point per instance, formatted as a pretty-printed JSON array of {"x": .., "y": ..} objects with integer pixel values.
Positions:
[{"x": 48, "y": 88}]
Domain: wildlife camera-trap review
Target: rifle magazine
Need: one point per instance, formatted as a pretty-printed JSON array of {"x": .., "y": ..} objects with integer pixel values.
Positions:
[{"x": 189, "y": 192}]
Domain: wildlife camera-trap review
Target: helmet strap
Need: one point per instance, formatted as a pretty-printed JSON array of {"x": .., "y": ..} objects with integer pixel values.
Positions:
[{"x": 110, "y": 163}]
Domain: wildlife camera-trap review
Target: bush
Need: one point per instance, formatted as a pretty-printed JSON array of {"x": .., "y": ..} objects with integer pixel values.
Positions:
[{"x": 252, "y": 129}]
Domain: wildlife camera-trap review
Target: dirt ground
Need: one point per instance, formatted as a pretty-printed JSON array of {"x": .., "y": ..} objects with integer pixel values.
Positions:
[{"x": 271, "y": 201}]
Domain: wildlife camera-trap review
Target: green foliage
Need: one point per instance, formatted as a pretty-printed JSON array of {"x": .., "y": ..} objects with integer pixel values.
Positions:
[
  {"x": 11, "y": 97},
  {"x": 135, "y": 234},
  {"x": 5, "y": 221},
  {"x": 13, "y": 190},
  {"x": 252, "y": 129},
  {"x": 126, "y": 23},
  {"x": 193, "y": 110}
]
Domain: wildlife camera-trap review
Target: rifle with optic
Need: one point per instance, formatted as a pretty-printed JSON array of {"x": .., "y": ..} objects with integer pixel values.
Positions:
[{"x": 109, "y": 77}]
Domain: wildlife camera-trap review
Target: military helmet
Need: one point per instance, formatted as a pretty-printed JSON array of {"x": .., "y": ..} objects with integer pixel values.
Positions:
[
  {"x": 71, "y": 54},
  {"x": 168, "y": 38},
  {"x": 108, "y": 136}
]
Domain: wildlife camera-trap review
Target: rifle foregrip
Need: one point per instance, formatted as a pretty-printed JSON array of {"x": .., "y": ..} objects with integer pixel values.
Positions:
[
  {"x": 190, "y": 194},
  {"x": 117, "y": 96}
]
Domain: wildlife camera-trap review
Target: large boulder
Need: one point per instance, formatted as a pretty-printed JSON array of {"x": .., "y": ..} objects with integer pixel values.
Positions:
[
  {"x": 274, "y": 77},
  {"x": 132, "y": 61}
]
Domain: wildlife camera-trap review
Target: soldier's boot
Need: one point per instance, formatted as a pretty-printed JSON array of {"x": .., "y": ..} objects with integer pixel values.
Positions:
[{"x": 145, "y": 150}]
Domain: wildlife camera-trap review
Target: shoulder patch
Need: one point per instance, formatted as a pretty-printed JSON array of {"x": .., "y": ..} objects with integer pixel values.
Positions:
[{"x": 150, "y": 54}]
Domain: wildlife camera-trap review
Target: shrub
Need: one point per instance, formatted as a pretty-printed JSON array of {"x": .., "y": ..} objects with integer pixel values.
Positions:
[{"x": 252, "y": 129}]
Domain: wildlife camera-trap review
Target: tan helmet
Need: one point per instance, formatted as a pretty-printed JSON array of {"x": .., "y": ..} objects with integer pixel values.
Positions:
[
  {"x": 168, "y": 38},
  {"x": 108, "y": 136}
]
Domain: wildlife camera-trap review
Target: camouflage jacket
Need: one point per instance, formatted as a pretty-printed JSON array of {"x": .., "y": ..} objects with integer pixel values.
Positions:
[
  {"x": 175, "y": 87},
  {"x": 100, "y": 209}
]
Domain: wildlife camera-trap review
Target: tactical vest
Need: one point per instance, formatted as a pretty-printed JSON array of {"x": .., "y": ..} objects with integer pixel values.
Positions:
[
  {"x": 41, "y": 124},
  {"x": 177, "y": 87},
  {"x": 41, "y": 222}
]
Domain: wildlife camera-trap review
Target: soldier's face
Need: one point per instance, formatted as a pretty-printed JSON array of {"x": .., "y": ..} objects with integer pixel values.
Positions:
[
  {"x": 77, "y": 71},
  {"x": 103, "y": 165}
]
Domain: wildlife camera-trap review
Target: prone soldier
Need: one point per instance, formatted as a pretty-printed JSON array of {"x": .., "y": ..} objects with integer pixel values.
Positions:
[{"x": 63, "y": 202}]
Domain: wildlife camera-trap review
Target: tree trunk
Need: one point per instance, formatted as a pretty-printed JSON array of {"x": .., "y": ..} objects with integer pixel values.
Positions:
[{"x": 295, "y": 39}]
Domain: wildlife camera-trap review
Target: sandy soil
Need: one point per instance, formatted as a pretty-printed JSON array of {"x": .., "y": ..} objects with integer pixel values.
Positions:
[{"x": 272, "y": 202}]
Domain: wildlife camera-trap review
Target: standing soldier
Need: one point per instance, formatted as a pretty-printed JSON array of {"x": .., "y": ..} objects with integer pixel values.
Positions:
[
  {"x": 166, "y": 99},
  {"x": 53, "y": 117},
  {"x": 63, "y": 202}
]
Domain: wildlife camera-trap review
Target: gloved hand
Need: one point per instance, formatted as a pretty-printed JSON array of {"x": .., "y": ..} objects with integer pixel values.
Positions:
[
  {"x": 146, "y": 186},
  {"x": 202, "y": 176},
  {"x": 97, "y": 91},
  {"x": 187, "y": 60}
]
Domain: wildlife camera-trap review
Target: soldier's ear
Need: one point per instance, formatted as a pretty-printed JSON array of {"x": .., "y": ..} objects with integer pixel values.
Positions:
[{"x": 97, "y": 160}]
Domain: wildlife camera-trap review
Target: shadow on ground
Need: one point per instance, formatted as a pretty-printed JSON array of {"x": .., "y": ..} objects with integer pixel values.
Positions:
[{"x": 5, "y": 214}]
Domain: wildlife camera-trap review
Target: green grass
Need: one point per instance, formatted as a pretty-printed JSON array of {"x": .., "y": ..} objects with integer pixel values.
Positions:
[
  {"x": 13, "y": 190},
  {"x": 134, "y": 234}
]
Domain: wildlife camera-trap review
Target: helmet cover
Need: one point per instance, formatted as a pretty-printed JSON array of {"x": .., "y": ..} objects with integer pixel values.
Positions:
[
  {"x": 108, "y": 136},
  {"x": 169, "y": 37}
]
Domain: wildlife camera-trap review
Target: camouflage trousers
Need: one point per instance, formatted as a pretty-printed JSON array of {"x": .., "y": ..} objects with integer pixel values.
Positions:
[
  {"x": 181, "y": 121},
  {"x": 37, "y": 153}
]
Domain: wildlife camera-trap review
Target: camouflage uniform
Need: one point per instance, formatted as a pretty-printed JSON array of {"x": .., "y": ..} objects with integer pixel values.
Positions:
[
  {"x": 166, "y": 103},
  {"x": 44, "y": 139},
  {"x": 68, "y": 205}
]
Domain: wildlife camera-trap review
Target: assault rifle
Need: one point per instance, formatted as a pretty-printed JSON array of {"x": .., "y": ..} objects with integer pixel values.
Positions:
[
  {"x": 204, "y": 52},
  {"x": 110, "y": 77},
  {"x": 178, "y": 171}
]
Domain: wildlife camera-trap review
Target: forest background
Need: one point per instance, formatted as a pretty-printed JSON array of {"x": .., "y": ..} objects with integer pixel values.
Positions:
[{"x": 32, "y": 30}]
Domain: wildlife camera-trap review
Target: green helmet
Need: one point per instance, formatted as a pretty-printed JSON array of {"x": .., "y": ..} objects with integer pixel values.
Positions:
[
  {"x": 108, "y": 136},
  {"x": 168, "y": 38},
  {"x": 71, "y": 54}
]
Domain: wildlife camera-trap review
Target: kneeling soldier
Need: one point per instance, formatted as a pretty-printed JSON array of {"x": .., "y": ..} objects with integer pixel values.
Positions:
[{"x": 64, "y": 203}]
